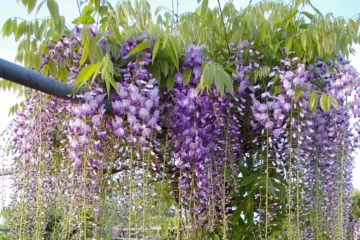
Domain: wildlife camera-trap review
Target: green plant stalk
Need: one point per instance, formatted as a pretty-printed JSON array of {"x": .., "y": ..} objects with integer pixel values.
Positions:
[
  {"x": 131, "y": 191},
  {"x": 267, "y": 185},
  {"x": 163, "y": 172},
  {"x": 290, "y": 173},
  {"x": 297, "y": 185},
  {"x": 144, "y": 195},
  {"x": 22, "y": 213},
  {"x": 260, "y": 202},
  {"x": 84, "y": 199},
  {"x": 317, "y": 202},
  {"x": 68, "y": 225},
  {"x": 146, "y": 198},
  {"x": 178, "y": 234},
  {"x": 342, "y": 177},
  {"x": 225, "y": 224},
  {"x": 192, "y": 203},
  {"x": 37, "y": 233},
  {"x": 297, "y": 199},
  {"x": 56, "y": 206},
  {"x": 212, "y": 204}
]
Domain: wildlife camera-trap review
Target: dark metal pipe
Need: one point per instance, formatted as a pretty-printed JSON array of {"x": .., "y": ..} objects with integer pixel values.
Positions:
[{"x": 29, "y": 78}]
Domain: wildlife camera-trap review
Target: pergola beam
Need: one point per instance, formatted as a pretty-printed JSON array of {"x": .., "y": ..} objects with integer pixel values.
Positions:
[{"x": 29, "y": 78}]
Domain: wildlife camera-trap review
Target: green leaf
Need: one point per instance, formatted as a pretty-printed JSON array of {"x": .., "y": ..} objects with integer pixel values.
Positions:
[
  {"x": 298, "y": 93},
  {"x": 325, "y": 102},
  {"x": 274, "y": 234},
  {"x": 36, "y": 61},
  {"x": 288, "y": 45},
  {"x": 92, "y": 50},
  {"x": 164, "y": 66},
  {"x": 303, "y": 39},
  {"x": 170, "y": 83},
  {"x": 236, "y": 215},
  {"x": 85, "y": 75},
  {"x": 97, "y": 4},
  {"x": 335, "y": 103},
  {"x": 31, "y": 5},
  {"x": 276, "y": 90},
  {"x": 174, "y": 47},
  {"x": 53, "y": 68},
  {"x": 60, "y": 26},
  {"x": 14, "y": 25},
  {"x": 54, "y": 10},
  {"x": 85, "y": 54},
  {"x": 187, "y": 75},
  {"x": 63, "y": 74},
  {"x": 103, "y": 10},
  {"x": 249, "y": 179},
  {"x": 140, "y": 47},
  {"x": 7, "y": 28},
  {"x": 172, "y": 56},
  {"x": 230, "y": 69},
  {"x": 155, "y": 50},
  {"x": 304, "y": 26},
  {"x": 37, "y": 30},
  {"x": 204, "y": 8},
  {"x": 20, "y": 30},
  {"x": 218, "y": 81},
  {"x": 116, "y": 32},
  {"x": 313, "y": 101},
  {"x": 308, "y": 15},
  {"x": 107, "y": 74},
  {"x": 206, "y": 77},
  {"x": 227, "y": 81},
  {"x": 97, "y": 70}
]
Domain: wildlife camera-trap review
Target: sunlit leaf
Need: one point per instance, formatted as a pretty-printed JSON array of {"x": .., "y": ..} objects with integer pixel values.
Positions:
[
  {"x": 204, "y": 7},
  {"x": 335, "y": 104},
  {"x": 164, "y": 67},
  {"x": 140, "y": 47},
  {"x": 92, "y": 50},
  {"x": 298, "y": 93},
  {"x": 54, "y": 10},
  {"x": 20, "y": 30},
  {"x": 53, "y": 68},
  {"x": 31, "y": 5},
  {"x": 187, "y": 75},
  {"x": 308, "y": 15},
  {"x": 313, "y": 101},
  {"x": 85, "y": 54},
  {"x": 288, "y": 44},
  {"x": 325, "y": 102},
  {"x": 170, "y": 83},
  {"x": 155, "y": 50},
  {"x": 249, "y": 179},
  {"x": 84, "y": 75}
]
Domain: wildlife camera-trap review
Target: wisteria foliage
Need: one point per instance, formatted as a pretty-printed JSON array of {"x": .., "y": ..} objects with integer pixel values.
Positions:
[{"x": 240, "y": 136}]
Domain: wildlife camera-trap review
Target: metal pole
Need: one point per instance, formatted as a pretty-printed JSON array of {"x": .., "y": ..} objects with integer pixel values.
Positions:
[{"x": 29, "y": 78}]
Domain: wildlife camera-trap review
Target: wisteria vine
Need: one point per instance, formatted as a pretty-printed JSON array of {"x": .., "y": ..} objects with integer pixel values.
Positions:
[{"x": 264, "y": 153}]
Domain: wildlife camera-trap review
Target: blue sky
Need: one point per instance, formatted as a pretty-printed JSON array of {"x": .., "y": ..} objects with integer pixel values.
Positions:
[{"x": 68, "y": 8}]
